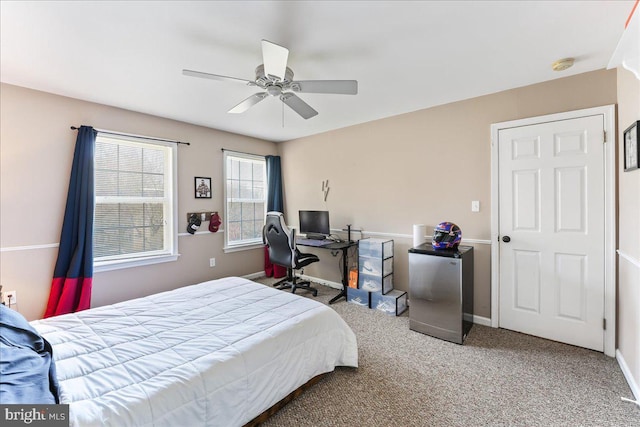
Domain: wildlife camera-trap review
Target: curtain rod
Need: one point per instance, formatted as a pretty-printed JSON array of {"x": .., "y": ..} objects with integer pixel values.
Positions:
[
  {"x": 108, "y": 132},
  {"x": 242, "y": 152}
]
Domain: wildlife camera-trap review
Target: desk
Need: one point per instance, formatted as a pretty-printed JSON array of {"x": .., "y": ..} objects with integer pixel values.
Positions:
[{"x": 336, "y": 246}]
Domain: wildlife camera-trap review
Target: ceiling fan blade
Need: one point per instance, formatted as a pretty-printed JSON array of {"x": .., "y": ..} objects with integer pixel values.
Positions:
[
  {"x": 340, "y": 87},
  {"x": 298, "y": 105},
  {"x": 192, "y": 73},
  {"x": 248, "y": 103},
  {"x": 275, "y": 59}
]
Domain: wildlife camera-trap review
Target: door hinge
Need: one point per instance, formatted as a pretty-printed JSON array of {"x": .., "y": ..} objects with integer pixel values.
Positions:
[
  {"x": 605, "y": 136},
  {"x": 604, "y": 324}
]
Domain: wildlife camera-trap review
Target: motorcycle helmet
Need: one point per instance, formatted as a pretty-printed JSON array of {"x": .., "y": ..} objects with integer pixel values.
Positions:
[{"x": 446, "y": 235}]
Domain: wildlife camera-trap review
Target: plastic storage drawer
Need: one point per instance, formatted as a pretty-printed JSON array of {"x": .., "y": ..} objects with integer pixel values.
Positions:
[
  {"x": 394, "y": 303},
  {"x": 375, "y": 266},
  {"x": 377, "y": 248},
  {"x": 358, "y": 296},
  {"x": 375, "y": 283}
]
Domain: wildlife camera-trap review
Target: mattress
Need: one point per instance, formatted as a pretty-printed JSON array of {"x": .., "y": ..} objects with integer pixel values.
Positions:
[{"x": 218, "y": 353}]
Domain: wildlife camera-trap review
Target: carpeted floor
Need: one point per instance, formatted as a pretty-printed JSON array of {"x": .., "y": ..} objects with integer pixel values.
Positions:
[{"x": 497, "y": 378}]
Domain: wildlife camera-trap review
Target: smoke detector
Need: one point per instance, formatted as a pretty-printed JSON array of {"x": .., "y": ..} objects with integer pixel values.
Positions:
[{"x": 562, "y": 64}]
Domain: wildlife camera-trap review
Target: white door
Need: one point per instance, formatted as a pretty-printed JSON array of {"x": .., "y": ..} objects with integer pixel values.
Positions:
[{"x": 551, "y": 230}]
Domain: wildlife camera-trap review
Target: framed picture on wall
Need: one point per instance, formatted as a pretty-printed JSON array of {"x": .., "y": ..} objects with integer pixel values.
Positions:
[
  {"x": 631, "y": 153},
  {"x": 203, "y": 187}
]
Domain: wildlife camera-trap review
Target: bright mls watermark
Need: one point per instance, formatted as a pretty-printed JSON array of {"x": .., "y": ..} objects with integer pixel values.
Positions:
[{"x": 35, "y": 415}]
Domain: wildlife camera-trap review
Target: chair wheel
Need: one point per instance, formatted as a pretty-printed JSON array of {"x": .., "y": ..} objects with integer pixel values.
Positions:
[{"x": 315, "y": 293}]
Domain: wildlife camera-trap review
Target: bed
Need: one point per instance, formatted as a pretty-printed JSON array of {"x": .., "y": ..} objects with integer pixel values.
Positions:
[{"x": 219, "y": 353}]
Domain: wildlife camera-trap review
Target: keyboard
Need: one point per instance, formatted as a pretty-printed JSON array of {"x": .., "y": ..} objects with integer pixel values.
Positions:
[{"x": 314, "y": 242}]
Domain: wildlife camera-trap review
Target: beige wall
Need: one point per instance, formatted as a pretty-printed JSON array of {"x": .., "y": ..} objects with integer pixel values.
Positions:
[
  {"x": 628, "y": 233},
  {"x": 422, "y": 167},
  {"x": 36, "y": 150}
]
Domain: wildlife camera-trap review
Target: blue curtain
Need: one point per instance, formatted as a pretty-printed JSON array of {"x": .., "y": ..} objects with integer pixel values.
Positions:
[
  {"x": 73, "y": 273},
  {"x": 274, "y": 184},
  {"x": 274, "y": 203}
]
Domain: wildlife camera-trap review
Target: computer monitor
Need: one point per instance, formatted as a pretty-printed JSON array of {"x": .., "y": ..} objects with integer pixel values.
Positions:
[{"x": 315, "y": 224}]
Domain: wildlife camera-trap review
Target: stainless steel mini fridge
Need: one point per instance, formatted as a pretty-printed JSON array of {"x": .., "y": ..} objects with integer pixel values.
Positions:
[{"x": 441, "y": 291}]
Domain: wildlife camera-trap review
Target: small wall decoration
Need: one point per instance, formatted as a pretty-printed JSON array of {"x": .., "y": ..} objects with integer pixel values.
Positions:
[
  {"x": 203, "y": 187},
  {"x": 325, "y": 189},
  {"x": 631, "y": 153}
]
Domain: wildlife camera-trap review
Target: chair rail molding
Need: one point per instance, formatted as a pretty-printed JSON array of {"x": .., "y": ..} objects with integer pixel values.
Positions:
[
  {"x": 628, "y": 258},
  {"x": 29, "y": 247}
]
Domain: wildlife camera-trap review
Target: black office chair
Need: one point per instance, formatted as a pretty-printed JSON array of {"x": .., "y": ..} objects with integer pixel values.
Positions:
[{"x": 281, "y": 242}]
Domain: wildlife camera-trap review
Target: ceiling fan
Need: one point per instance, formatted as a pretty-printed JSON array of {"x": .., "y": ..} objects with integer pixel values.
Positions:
[{"x": 276, "y": 79}]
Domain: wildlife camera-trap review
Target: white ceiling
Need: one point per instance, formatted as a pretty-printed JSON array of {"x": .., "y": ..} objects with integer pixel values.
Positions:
[{"x": 406, "y": 56}]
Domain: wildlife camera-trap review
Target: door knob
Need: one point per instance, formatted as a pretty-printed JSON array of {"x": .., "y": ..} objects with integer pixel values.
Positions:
[{"x": 506, "y": 239}]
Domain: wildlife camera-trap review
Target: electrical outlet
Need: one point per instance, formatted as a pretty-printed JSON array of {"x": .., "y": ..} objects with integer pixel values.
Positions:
[
  {"x": 475, "y": 206},
  {"x": 10, "y": 298},
  {"x": 212, "y": 262}
]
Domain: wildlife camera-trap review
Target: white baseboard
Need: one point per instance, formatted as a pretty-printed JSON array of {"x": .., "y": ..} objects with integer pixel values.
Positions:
[
  {"x": 334, "y": 285},
  {"x": 254, "y": 275},
  {"x": 635, "y": 388},
  {"x": 479, "y": 320}
]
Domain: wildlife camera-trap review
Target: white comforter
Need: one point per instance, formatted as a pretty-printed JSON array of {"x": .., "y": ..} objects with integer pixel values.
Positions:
[{"x": 214, "y": 354}]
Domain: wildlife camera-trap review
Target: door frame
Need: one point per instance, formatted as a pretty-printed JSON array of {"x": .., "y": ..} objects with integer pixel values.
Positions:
[{"x": 608, "y": 113}]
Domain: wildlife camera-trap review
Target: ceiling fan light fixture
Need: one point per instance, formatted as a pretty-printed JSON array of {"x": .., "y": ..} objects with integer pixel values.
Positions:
[
  {"x": 274, "y": 90},
  {"x": 562, "y": 64}
]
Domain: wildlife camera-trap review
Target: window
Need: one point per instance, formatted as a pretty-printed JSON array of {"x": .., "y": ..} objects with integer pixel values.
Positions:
[
  {"x": 245, "y": 196},
  {"x": 134, "y": 205}
]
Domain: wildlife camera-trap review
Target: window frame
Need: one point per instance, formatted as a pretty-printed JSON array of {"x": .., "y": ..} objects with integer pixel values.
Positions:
[
  {"x": 253, "y": 243},
  {"x": 170, "y": 200}
]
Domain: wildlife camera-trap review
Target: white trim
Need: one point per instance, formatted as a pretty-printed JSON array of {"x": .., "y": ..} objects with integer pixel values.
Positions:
[
  {"x": 608, "y": 113},
  {"x": 480, "y": 320},
  {"x": 29, "y": 247},
  {"x": 633, "y": 385},
  {"x": 495, "y": 227},
  {"x": 610, "y": 221},
  {"x": 383, "y": 234},
  {"x": 234, "y": 246},
  {"x": 243, "y": 248},
  {"x": 169, "y": 201},
  {"x": 334, "y": 285},
  {"x": 629, "y": 258},
  {"x": 173, "y": 233},
  {"x": 132, "y": 262},
  {"x": 474, "y": 241},
  {"x": 252, "y": 276},
  {"x": 200, "y": 232},
  {"x": 407, "y": 236}
]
